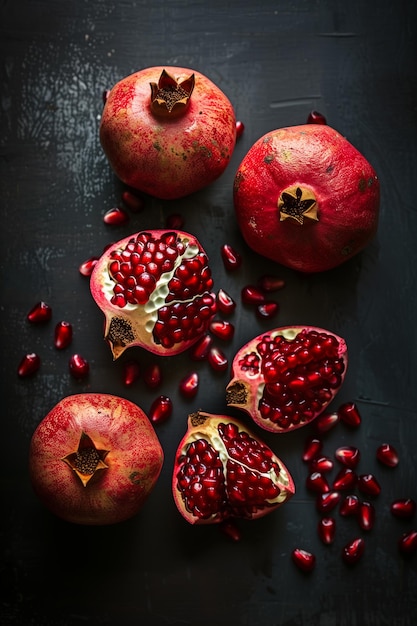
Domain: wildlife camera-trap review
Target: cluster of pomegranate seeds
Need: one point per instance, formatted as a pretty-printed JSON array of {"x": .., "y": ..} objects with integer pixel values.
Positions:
[
  {"x": 315, "y": 117},
  {"x": 62, "y": 335},
  {"x": 161, "y": 409},
  {"x": 115, "y": 217},
  {"x": 183, "y": 321},
  {"x": 232, "y": 259},
  {"x": 78, "y": 366},
  {"x": 40, "y": 313},
  {"x": 240, "y": 127},
  {"x": 29, "y": 365}
]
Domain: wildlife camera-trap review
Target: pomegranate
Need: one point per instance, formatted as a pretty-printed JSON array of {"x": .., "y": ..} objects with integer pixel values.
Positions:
[
  {"x": 167, "y": 131},
  {"x": 94, "y": 459},
  {"x": 286, "y": 377},
  {"x": 222, "y": 470},
  {"x": 306, "y": 198},
  {"x": 155, "y": 291}
]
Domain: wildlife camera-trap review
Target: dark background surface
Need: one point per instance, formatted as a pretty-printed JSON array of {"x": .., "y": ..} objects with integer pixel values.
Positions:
[{"x": 356, "y": 63}]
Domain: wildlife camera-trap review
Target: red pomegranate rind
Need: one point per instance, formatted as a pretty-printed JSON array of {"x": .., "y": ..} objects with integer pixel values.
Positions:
[
  {"x": 222, "y": 470},
  {"x": 155, "y": 291},
  {"x": 286, "y": 377}
]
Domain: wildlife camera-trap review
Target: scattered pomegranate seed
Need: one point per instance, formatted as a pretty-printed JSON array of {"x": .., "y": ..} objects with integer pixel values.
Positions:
[
  {"x": 152, "y": 376},
  {"x": 345, "y": 479},
  {"x": 327, "y": 530},
  {"x": 325, "y": 422},
  {"x": 78, "y": 366},
  {"x": 349, "y": 505},
  {"x": 312, "y": 449},
  {"x": 408, "y": 542},
  {"x": 40, "y": 313},
  {"x": 105, "y": 95},
  {"x": 387, "y": 454},
  {"x": 240, "y": 127},
  {"x": 217, "y": 359},
  {"x": 366, "y": 515},
  {"x": 115, "y": 217},
  {"x": 316, "y": 118},
  {"x": 353, "y": 551},
  {"x": 29, "y": 365},
  {"x": 232, "y": 260},
  {"x": 349, "y": 414},
  {"x": 86, "y": 268},
  {"x": 131, "y": 373},
  {"x": 175, "y": 221},
  {"x": 225, "y": 303},
  {"x": 267, "y": 309},
  {"x": 404, "y": 508},
  {"x": 133, "y": 202},
  {"x": 62, "y": 335},
  {"x": 321, "y": 464},
  {"x": 189, "y": 385},
  {"x": 317, "y": 482},
  {"x": 252, "y": 295},
  {"x": 368, "y": 484},
  {"x": 222, "y": 329},
  {"x": 231, "y": 530},
  {"x": 271, "y": 283},
  {"x": 327, "y": 501},
  {"x": 348, "y": 455},
  {"x": 306, "y": 561},
  {"x": 200, "y": 350},
  {"x": 161, "y": 409}
]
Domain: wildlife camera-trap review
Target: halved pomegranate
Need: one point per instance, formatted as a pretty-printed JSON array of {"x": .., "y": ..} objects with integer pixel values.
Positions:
[
  {"x": 223, "y": 470},
  {"x": 154, "y": 288},
  {"x": 286, "y": 377}
]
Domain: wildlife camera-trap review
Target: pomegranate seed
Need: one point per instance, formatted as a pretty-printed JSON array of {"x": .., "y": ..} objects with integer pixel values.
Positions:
[
  {"x": 222, "y": 329},
  {"x": 327, "y": 530},
  {"x": 252, "y": 295},
  {"x": 217, "y": 359},
  {"x": 348, "y": 455},
  {"x": 232, "y": 260},
  {"x": 78, "y": 366},
  {"x": 312, "y": 449},
  {"x": 345, "y": 479},
  {"x": 387, "y": 454},
  {"x": 231, "y": 530},
  {"x": 317, "y": 482},
  {"x": 62, "y": 335},
  {"x": 115, "y": 217},
  {"x": 175, "y": 221},
  {"x": 267, "y": 309},
  {"x": 131, "y": 373},
  {"x": 408, "y": 542},
  {"x": 161, "y": 409},
  {"x": 367, "y": 483},
  {"x": 271, "y": 283},
  {"x": 325, "y": 422},
  {"x": 240, "y": 127},
  {"x": 153, "y": 376},
  {"x": 315, "y": 117},
  {"x": 40, "y": 313},
  {"x": 200, "y": 350},
  {"x": 349, "y": 414},
  {"x": 306, "y": 561},
  {"x": 189, "y": 385},
  {"x": 86, "y": 268},
  {"x": 105, "y": 95},
  {"x": 349, "y": 506},
  {"x": 404, "y": 508},
  {"x": 366, "y": 515},
  {"x": 353, "y": 551},
  {"x": 29, "y": 365},
  {"x": 225, "y": 303},
  {"x": 327, "y": 501},
  {"x": 132, "y": 201},
  {"x": 321, "y": 464}
]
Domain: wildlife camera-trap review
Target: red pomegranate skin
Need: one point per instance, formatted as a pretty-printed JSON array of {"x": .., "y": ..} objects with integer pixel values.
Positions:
[
  {"x": 167, "y": 158},
  {"x": 320, "y": 161},
  {"x": 134, "y": 459}
]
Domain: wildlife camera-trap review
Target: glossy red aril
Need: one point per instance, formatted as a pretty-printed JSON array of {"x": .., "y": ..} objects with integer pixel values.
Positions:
[
  {"x": 303, "y": 559},
  {"x": 240, "y": 127},
  {"x": 327, "y": 529},
  {"x": 286, "y": 377},
  {"x": 40, "y": 313},
  {"x": 154, "y": 289},
  {"x": 326, "y": 502},
  {"x": 325, "y": 422},
  {"x": 78, "y": 366},
  {"x": 153, "y": 375},
  {"x": 387, "y": 455},
  {"x": 348, "y": 455},
  {"x": 345, "y": 479},
  {"x": 349, "y": 505},
  {"x": 29, "y": 365},
  {"x": 131, "y": 373},
  {"x": 175, "y": 221},
  {"x": 231, "y": 529},
  {"x": 201, "y": 349},
  {"x": 168, "y": 131},
  {"x": 115, "y": 217},
  {"x": 271, "y": 283},
  {"x": 62, "y": 335},
  {"x": 225, "y": 302},
  {"x": 368, "y": 484},
  {"x": 366, "y": 515},
  {"x": 349, "y": 414},
  {"x": 267, "y": 310},
  {"x": 353, "y": 551},
  {"x": 315, "y": 117},
  {"x": 321, "y": 464},
  {"x": 86, "y": 268},
  {"x": 223, "y": 470},
  {"x": 222, "y": 329},
  {"x": 408, "y": 543},
  {"x": 317, "y": 482},
  {"x": 252, "y": 295},
  {"x": 189, "y": 385},
  {"x": 404, "y": 508},
  {"x": 312, "y": 449},
  {"x": 217, "y": 359},
  {"x": 161, "y": 409},
  {"x": 232, "y": 260},
  {"x": 133, "y": 202}
]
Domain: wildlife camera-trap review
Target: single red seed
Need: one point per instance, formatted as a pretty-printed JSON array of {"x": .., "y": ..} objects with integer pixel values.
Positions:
[
  {"x": 152, "y": 376},
  {"x": 105, "y": 95},
  {"x": 267, "y": 309},
  {"x": 366, "y": 515},
  {"x": 271, "y": 283},
  {"x": 252, "y": 295},
  {"x": 201, "y": 349},
  {"x": 327, "y": 501},
  {"x": 217, "y": 359},
  {"x": 161, "y": 409},
  {"x": 312, "y": 449},
  {"x": 232, "y": 260},
  {"x": 321, "y": 464},
  {"x": 40, "y": 313},
  {"x": 240, "y": 127},
  {"x": 62, "y": 335},
  {"x": 317, "y": 482},
  {"x": 222, "y": 329},
  {"x": 175, "y": 221},
  {"x": 368, "y": 484},
  {"x": 86, "y": 268},
  {"x": 225, "y": 303},
  {"x": 133, "y": 202},
  {"x": 352, "y": 552},
  {"x": 387, "y": 455},
  {"x": 348, "y": 455},
  {"x": 408, "y": 542},
  {"x": 325, "y": 422},
  {"x": 78, "y": 366},
  {"x": 315, "y": 117},
  {"x": 345, "y": 479},
  {"x": 305, "y": 560},
  {"x": 131, "y": 373},
  {"x": 29, "y": 365},
  {"x": 115, "y": 217},
  {"x": 349, "y": 414},
  {"x": 327, "y": 529},
  {"x": 349, "y": 505},
  {"x": 231, "y": 530},
  {"x": 189, "y": 385},
  {"x": 404, "y": 508}
]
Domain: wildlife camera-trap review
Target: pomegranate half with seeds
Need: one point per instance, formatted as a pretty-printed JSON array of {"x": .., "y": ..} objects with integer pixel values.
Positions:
[
  {"x": 286, "y": 377},
  {"x": 94, "y": 459},
  {"x": 306, "y": 198},
  {"x": 154, "y": 288},
  {"x": 223, "y": 470},
  {"x": 167, "y": 131}
]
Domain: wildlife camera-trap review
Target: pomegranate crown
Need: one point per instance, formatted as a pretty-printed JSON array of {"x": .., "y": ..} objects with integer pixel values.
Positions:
[{"x": 170, "y": 97}]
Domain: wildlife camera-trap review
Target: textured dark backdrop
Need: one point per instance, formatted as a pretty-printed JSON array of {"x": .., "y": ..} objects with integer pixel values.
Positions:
[{"x": 356, "y": 63}]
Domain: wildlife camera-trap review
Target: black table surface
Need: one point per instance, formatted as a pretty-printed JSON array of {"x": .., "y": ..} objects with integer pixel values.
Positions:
[{"x": 355, "y": 62}]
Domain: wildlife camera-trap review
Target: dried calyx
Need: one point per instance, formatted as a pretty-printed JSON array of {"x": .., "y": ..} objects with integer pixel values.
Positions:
[
  {"x": 297, "y": 203},
  {"x": 170, "y": 97},
  {"x": 86, "y": 460}
]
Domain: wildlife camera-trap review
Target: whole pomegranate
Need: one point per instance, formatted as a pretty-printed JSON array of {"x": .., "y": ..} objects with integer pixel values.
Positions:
[
  {"x": 167, "y": 131},
  {"x": 155, "y": 291},
  {"x": 286, "y": 377},
  {"x": 223, "y": 470},
  {"x": 94, "y": 459},
  {"x": 306, "y": 198}
]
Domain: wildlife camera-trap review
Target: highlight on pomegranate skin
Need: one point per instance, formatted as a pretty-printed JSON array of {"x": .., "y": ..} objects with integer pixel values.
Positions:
[
  {"x": 222, "y": 470},
  {"x": 286, "y": 377},
  {"x": 155, "y": 290}
]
